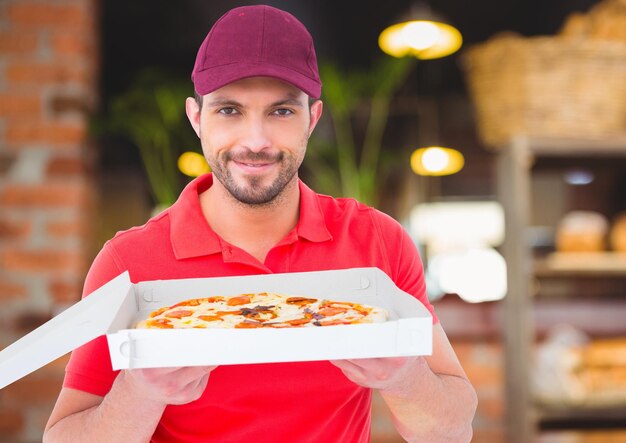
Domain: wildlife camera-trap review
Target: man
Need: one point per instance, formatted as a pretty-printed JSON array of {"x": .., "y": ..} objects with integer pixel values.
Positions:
[{"x": 255, "y": 76}]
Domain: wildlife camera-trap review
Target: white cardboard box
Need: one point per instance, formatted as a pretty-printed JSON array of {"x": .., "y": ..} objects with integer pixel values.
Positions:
[{"x": 114, "y": 308}]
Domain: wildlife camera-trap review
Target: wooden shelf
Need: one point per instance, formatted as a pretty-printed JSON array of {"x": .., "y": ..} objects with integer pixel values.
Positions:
[
  {"x": 563, "y": 147},
  {"x": 588, "y": 264},
  {"x": 592, "y": 410},
  {"x": 582, "y": 436}
]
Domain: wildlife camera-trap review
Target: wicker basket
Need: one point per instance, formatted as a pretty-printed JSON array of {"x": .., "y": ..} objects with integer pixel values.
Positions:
[{"x": 547, "y": 87}]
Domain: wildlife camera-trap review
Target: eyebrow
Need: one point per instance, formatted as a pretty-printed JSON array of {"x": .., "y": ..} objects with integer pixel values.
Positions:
[
  {"x": 218, "y": 102},
  {"x": 224, "y": 102},
  {"x": 288, "y": 101}
]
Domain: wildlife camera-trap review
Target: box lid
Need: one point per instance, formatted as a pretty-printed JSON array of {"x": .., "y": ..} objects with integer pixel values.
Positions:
[{"x": 77, "y": 325}]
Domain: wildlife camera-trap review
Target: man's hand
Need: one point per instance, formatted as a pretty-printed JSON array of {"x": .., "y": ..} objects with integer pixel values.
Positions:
[
  {"x": 430, "y": 397},
  {"x": 130, "y": 411},
  {"x": 394, "y": 374},
  {"x": 168, "y": 386}
]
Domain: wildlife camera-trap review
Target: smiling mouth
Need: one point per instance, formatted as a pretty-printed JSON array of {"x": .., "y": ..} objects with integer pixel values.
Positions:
[
  {"x": 253, "y": 165},
  {"x": 254, "y": 162},
  {"x": 251, "y": 168}
]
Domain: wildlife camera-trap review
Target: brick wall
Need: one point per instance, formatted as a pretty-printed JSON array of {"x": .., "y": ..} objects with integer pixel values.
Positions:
[{"x": 48, "y": 85}]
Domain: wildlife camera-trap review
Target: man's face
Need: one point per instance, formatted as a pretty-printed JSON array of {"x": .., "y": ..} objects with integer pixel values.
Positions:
[{"x": 254, "y": 134}]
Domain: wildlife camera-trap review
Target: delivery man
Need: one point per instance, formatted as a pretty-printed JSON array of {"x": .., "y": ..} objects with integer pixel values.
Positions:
[{"x": 257, "y": 103}]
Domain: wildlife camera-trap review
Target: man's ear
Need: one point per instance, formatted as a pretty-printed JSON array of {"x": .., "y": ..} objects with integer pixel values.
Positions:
[
  {"x": 193, "y": 114},
  {"x": 316, "y": 114}
]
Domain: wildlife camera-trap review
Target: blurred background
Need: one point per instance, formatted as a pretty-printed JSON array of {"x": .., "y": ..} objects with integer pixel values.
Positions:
[{"x": 501, "y": 149}]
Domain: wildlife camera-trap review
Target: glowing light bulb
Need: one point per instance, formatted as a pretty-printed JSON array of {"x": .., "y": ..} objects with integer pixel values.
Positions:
[
  {"x": 436, "y": 160},
  {"x": 424, "y": 39},
  {"x": 420, "y": 35},
  {"x": 579, "y": 177}
]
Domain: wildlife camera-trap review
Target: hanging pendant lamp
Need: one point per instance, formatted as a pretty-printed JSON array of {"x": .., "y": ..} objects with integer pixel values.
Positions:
[{"x": 422, "y": 34}]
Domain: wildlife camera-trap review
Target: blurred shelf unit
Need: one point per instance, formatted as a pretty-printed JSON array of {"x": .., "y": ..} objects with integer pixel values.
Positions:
[
  {"x": 608, "y": 411},
  {"x": 562, "y": 415},
  {"x": 514, "y": 177},
  {"x": 591, "y": 264},
  {"x": 563, "y": 147}
]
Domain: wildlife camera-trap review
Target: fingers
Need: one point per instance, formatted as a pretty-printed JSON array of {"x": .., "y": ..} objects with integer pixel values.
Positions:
[
  {"x": 178, "y": 385},
  {"x": 378, "y": 373},
  {"x": 378, "y": 365},
  {"x": 202, "y": 384},
  {"x": 351, "y": 370},
  {"x": 348, "y": 366},
  {"x": 180, "y": 373},
  {"x": 192, "y": 391},
  {"x": 190, "y": 383},
  {"x": 191, "y": 372}
]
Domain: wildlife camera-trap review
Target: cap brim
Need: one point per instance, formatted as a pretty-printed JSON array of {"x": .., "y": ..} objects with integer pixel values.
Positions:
[{"x": 211, "y": 79}]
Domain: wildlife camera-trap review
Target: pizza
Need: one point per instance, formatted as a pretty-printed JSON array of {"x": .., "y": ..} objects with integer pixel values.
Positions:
[{"x": 261, "y": 310}]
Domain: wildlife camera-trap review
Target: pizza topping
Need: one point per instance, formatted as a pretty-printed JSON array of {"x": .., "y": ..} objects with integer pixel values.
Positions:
[
  {"x": 161, "y": 323},
  {"x": 300, "y": 301},
  {"x": 221, "y": 313},
  {"x": 299, "y": 321},
  {"x": 180, "y": 313},
  {"x": 210, "y": 318},
  {"x": 247, "y": 324},
  {"x": 337, "y": 321},
  {"x": 159, "y": 311},
  {"x": 240, "y": 300},
  {"x": 329, "y": 312},
  {"x": 248, "y": 312},
  {"x": 313, "y": 314},
  {"x": 260, "y": 313}
]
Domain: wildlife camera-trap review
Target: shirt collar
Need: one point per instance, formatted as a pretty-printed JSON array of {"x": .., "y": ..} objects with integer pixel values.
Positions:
[
  {"x": 312, "y": 223},
  {"x": 191, "y": 235}
]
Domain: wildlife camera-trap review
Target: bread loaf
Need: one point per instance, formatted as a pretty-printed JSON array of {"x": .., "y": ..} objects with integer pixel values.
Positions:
[
  {"x": 617, "y": 237},
  {"x": 582, "y": 231}
]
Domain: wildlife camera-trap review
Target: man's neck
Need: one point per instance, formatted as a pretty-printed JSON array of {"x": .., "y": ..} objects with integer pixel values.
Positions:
[{"x": 253, "y": 228}]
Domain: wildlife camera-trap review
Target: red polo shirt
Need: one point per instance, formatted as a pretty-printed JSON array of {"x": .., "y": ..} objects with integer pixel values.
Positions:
[{"x": 278, "y": 402}]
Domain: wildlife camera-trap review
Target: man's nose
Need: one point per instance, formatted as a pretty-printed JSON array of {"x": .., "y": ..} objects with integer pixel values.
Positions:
[{"x": 256, "y": 136}]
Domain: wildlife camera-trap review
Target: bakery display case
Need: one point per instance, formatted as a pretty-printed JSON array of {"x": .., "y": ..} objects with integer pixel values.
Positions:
[{"x": 591, "y": 371}]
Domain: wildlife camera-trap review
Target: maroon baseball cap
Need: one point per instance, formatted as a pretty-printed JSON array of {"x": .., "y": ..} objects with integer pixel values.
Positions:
[{"x": 252, "y": 41}]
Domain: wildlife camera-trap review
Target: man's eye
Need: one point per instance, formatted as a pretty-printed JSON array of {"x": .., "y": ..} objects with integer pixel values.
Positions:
[
  {"x": 283, "y": 111},
  {"x": 228, "y": 111}
]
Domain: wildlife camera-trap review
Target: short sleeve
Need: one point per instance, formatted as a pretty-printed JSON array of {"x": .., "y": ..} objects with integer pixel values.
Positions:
[{"x": 407, "y": 270}]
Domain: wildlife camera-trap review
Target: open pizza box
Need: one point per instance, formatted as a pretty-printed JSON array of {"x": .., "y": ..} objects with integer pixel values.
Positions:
[{"x": 117, "y": 306}]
